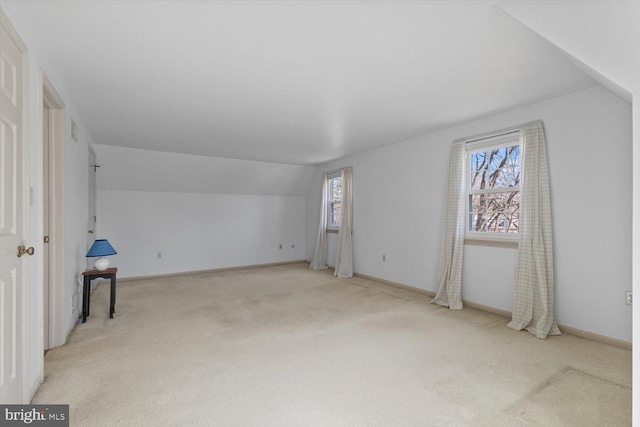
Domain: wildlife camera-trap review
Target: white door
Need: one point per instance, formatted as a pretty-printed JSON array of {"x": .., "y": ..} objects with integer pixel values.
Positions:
[{"x": 13, "y": 226}]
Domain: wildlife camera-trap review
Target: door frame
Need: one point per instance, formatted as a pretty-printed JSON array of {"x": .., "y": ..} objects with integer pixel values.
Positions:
[
  {"x": 27, "y": 391},
  {"x": 93, "y": 192},
  {"x": 57, "y": 307}
]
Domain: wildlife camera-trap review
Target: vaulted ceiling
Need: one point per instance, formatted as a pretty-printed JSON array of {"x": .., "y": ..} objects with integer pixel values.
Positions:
[{"x": 290, "y": 82}]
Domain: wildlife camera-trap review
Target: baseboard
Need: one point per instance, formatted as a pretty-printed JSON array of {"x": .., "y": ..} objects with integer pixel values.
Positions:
[
  {"x": 488, "y": 309},
  {"x": 36, "y": 386},
  {"x": 214, "y": 270},
  {"x": 396, "y": 284},
  {"x": 507, "y": 314},
  {"x": 596, "y": 337}
]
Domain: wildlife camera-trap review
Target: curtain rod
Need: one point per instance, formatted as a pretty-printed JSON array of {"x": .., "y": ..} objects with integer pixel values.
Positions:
[
  {"x": 338, "y": 170},
  {"x": 495, "y": 133}
]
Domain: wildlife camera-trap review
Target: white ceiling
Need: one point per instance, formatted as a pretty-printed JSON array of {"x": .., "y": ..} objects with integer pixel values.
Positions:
[{"x": 289, "y": 82}]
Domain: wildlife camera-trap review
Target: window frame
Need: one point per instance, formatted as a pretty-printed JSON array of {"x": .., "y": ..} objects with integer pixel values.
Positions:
[
  {"x": 484, "y": 145},
  {"x": 330, "y": 201}
]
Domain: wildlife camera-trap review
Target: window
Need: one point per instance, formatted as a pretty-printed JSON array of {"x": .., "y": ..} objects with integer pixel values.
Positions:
[
  {"x": 493, "y": 187},
  {"x": 334, "y": 185}
]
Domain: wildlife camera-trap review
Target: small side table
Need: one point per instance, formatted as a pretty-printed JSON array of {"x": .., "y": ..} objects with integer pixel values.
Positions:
[{"x": 89, "y": 275}]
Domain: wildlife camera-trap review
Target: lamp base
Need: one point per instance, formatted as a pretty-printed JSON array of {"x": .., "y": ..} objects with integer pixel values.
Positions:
[{"x": 101, "y": 263}]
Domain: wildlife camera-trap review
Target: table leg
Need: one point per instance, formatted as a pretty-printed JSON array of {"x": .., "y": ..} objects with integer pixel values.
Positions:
[
  {"x": 85, "y": 298},
  {"x": 112, "y": 307}
]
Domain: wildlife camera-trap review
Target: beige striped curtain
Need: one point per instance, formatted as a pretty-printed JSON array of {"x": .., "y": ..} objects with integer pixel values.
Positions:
[
  {"x": 319, "y": 261},
  {"x": 449, "y": 284},
  {"x": 533, "y": 294},
  {"x": 344, "y": 259}
]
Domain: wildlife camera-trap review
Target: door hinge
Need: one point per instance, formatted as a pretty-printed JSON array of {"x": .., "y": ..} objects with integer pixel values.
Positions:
[
  {"x": 95, "y": 219},
  {"x": 46, "y": 239}
]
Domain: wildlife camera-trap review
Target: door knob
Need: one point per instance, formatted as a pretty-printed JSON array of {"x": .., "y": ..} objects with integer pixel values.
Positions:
[
  {"x": 90, "y": 231},
  {"x": 23, "y": 250}
]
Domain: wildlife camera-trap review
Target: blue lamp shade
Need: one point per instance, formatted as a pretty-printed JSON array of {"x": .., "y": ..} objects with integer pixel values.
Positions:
[{"x": 100, "y": 249}]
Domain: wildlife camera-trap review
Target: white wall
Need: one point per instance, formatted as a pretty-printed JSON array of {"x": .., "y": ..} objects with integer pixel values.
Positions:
[
  {"x": 398, "y": 205},
  {"x": 76, "y": 200},
  {"x": 200, "y": 212},
  {"x": 199, "y": 231}
]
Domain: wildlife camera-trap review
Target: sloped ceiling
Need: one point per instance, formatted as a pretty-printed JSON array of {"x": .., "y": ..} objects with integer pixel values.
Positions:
[
  {"x": 130, "y": 169},
  {"x": 289, "y": 82},
  {"x": 603, "y": 37}
]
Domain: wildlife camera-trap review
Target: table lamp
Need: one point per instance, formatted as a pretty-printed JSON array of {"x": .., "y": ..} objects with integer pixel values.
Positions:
[{"x": 101, "y": 248}]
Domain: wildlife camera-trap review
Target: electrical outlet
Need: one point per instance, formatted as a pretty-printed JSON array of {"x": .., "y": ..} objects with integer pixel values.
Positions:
[
  {"x": 384, "y": 258},
  {"x": 628, "y": 298}
]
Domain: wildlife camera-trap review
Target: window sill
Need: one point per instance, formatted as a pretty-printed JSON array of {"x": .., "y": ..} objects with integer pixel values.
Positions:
[{"x": 496, "y": 243}]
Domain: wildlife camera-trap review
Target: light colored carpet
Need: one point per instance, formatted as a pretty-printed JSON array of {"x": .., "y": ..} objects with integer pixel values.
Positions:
[{"x": 288, "y": 346}]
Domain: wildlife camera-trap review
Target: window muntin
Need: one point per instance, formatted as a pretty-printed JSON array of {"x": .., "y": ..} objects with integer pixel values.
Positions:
[
  {"x": 334, "y": 204},
  {"x": 493, "y": 188}
]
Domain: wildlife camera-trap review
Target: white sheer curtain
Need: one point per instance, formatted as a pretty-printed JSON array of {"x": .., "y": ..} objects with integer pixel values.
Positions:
[
  {"x": 319, "y": 261},
  {"x": 344, "y": 259},
  {"x": 533, "y": 294},
  {"x": 452, "y": 245}
]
